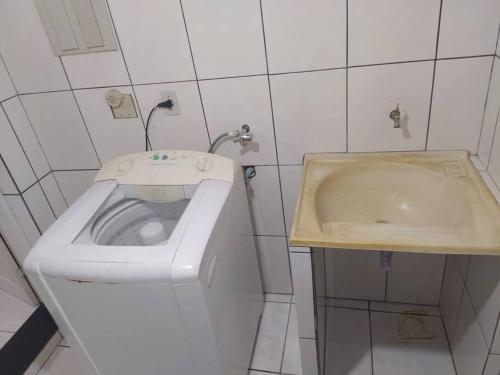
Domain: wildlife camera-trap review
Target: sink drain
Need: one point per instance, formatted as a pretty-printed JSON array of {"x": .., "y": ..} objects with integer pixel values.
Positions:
[{"x": 381, "y": 221}]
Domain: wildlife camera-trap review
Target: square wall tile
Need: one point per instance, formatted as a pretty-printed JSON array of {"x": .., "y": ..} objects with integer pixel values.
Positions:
[
  {"x": 111, "y": 137},
  {"x": 490, "y": 115},
  {"x": 186, "y": 131},
  {"x": 230, "y": 103},
  {"x": 392, "y": 30},
  {"x": 7, "y": 185},
  {"x": 460, "y": 88},
  {"x": 354, "y": 274},
  {"x": 374, "y": 92},
  {"x": 468, "y": 28},
  {"x": 24, "y": 219},
  {"x": 309, "y": 113},
  {"x": 74, "y": 183},
  {"x": 12, "y": 154},
  {"x": 53, "y": 194},
  {"x": 27, "y": 137},
  {"x": 451, "y": 295},
  {"x": 226, "y": 37},
  {"x": 26, "y": 50},
  {"x": 304, "y": 36},
  {"x": 96, "y": 69},
  {"x": 7, "y": 90},
  {"x": 153, "y": 39},
  {"x": 291, "y": 177},
  {"x": 468, "y": 346},
  {"x": 39, "y": 207},
  {"x": 308, "y": 356},
  {"x": 483, "y": 284},
  {"x": 291, "y": 357},
  {"x": 274, "y": 264},
  {"x": 265, "y": 202},
  {"x": 302, "y": 277},
  {"x": 60, "y": 129},
  {"x": 494, "y": 165},
  {"x": 415, "y": 278},
  {"x": 271, "y": 337}
]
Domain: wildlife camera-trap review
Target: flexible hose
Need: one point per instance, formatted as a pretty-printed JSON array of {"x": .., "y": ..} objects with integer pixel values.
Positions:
[{"x": 216, "y": 141}]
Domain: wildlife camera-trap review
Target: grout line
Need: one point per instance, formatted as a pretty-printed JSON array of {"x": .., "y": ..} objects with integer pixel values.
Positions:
[
  {"x": 280, "y": 182},
  {"x": 449, "y": 344},
  {"x": 81, "y": 114},
  {"x": 386, "y": 285},
  {"x": 9, "y": 98},
  {"x": 442, "y": 280},
  {"x": 371, "y": 336},
  {"x": 48, "y": 202},
  {"x": 485, "y": 106},
  {"x": 195, "y": 73},
  {"x": 10, "y": 76},
  {"x": 492, "y": 142},
  {"x": 433, "y": 75},
  {"x": 286, "y": 337}
]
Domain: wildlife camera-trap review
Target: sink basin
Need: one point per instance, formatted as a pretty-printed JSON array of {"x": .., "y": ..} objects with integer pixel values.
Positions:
[{"x": 432, "y": 202}]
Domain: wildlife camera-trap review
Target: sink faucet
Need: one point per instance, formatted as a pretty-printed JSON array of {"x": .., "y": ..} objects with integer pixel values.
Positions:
[{"x": 395, "y": 116}]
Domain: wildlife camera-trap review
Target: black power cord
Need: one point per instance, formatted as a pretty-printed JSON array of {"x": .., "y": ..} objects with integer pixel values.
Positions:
[{"x": 169, "y": 104}]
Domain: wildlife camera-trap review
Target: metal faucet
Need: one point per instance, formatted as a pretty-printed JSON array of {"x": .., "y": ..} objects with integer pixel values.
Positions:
[
  {"x": 243, "y": 136},
  {"x": 395, "y": 116}
]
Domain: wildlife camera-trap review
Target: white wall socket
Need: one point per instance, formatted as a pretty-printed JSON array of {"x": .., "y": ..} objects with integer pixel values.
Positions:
[{"x": 176, "y": 109}]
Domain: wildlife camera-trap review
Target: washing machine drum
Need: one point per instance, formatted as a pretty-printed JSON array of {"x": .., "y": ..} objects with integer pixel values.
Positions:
[{"x": 135, "y": 222}]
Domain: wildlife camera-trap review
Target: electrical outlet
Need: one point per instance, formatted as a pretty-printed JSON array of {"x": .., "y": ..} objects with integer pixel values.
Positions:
[{"x": 175, "y": 110}]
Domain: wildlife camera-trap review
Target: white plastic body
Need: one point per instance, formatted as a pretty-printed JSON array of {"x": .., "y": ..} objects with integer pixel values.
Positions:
[{"x": 189, "y": 307}]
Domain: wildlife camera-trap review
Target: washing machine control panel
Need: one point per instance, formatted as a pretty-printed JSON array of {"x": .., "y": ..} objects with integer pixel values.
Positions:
[{"x": 167, "y": 167}]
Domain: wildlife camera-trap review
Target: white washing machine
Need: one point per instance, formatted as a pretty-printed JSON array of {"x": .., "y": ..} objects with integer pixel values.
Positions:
[{"x": 154, "y": 271}]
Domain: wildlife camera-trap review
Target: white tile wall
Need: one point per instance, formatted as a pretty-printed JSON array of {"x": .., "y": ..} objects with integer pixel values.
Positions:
[
  {"x": 13, "y": 155},
  {"x": 7, "y": 89},
  {"x": 415, "y": 278},
  {"x": 22, "y": 127},
  {"x": 467, "y": 345},
  {"x": 96, "y": 69},
  {"x": 304, "y": 37},
  {"x": 468, "y": 27},
  {"x": 74, "y": 183},
  {"x": 493, "y": 365},
  {"x": 290, "y": 185},
  {"x": 7, "y": 186},
  {"x": 490, "y": 114},
  {"x": 185, "y": 131},
  {"x": 291, "y": 357},
  {"x": 39, "y": 207},
  {"x": 304, "y": 294},
  {"x": 309, "y": 113},
  {"x": 374, "y": 92},
  {"x": 273, "y": 256},
  {"x": 26, "y": 50},
  {"x": 354, "y": 274},
  {"x": 59, "y": 126},
  {"x": 111, "y": 137},
  {"x": 153, "y": 39},
  {"x": 226, "y": 37},
  {"x": 458, "y": 103},
  {"x": 24, "y": 219},
  {"x": 451, "y": 296},
  {"x": 230, "y": 103},
  {"x": 265, "y": 199},
  {"x": 53, "y": 194},
  {"x": 392, "y": 30}
]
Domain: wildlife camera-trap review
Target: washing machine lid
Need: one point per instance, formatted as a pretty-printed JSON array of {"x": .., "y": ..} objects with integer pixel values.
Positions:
[{"x": 167, "y": 167}]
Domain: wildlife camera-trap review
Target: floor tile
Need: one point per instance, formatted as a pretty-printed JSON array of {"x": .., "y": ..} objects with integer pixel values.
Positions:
[
  {"x": 404, "y": 307},
  {"x": 271, "y": 339},
  {"x": 13, "y": 312},
  {"x": 291, "y": 358},
  {"x": 347, "y": 342},
  {"x": 391, "y": 357}
]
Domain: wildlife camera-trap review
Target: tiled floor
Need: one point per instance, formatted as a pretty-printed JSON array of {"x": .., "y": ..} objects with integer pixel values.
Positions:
[
  {"x": 361, "y": 336},
  {"x": 13, "y": 313},
  {"x": 361, "y": 340}
]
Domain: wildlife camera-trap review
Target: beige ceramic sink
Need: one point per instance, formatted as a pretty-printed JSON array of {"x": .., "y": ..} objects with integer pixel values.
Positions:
[{"x": 432, "y": 202}]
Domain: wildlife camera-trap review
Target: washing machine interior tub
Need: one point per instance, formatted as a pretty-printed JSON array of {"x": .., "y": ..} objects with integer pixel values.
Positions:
[{"x": 126, "y": 220}]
